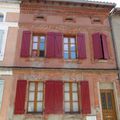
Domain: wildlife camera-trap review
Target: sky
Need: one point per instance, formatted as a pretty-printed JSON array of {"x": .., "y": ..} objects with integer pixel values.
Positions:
[{"x": 113, "y": 1}]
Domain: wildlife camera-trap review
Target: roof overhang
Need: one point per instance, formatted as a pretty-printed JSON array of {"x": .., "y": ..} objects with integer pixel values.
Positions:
[{"x": 116, "y": 11}]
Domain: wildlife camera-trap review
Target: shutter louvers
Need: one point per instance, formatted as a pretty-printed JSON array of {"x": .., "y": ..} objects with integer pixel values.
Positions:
[
  {"x": 81, "y": 46},
  {"x": 50, "y": 45},
  {"x": 20, "y": 97},
  {"x": 53, "y": 97},
  {"x": 105, "y": 46},
  {"x": 58, "y": 95},
  {"x": 58, "y": 45},
  {"x": 25, "y": 46},
  {"x": 97, "y": 46},
  {"x": 49, "y": 97},
  {"x": 85, "y": 97}
]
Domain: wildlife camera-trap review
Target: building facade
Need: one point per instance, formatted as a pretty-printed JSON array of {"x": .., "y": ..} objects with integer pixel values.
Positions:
[
  {"x": 114, "y": 20},
  {"x": 63, "y": 64},
  {"x": 9, "y": 16}
]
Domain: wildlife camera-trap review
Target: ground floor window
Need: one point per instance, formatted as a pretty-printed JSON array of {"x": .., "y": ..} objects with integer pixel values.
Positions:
[
  {"x": 35, "y": 98},
  {"x": 71, "y": 97}
]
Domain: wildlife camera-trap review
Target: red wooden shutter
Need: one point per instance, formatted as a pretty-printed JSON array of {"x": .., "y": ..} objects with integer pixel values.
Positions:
[
  {"x": 25, "y": 46},
  {"x": 97, "y": 46},
  {"x": 50, "y": 45},
  {"x": 58, "y": 95},
  {"x": 81, "y": 46},
  {"x": 85, "y": 97},
  {"x": 105, "y": 46},
  {"x": 20, "y": 97},
  {"x": 58, "y": 45},
  {"x": 49, "y": 97}
]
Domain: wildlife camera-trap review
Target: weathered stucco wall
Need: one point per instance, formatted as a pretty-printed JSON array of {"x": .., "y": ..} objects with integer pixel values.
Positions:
[{"x": 115, "y": 20}]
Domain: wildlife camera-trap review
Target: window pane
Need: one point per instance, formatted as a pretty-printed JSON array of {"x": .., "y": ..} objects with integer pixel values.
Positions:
[
  {"x": 72, "y": 40},
  {"x": 39, "y": 96},
  {"x": 66, "y": 56},
  {"x": 40, "y": 86},
  {"x": 31, "y": 96},
  {"x": 35, "y": 38},
  {"x": 65, "y": 47},
  {"x": 74, "y": 86},
  {"x": 1, "y": 18},
  {"x": 103, "y": 99},
  {"x": 67, "y": 96},
  {"x": 65, "y": 40},
  {"x": 66, "y": 87},
  {"x": 1, "y": 91},
  {"x": 73, "y": 55},
  {"x": 75, "y": 106},
  {"x": 42, "y": 53},
  {"x": 42, "y": 39},
  {"x": 109, "y": 97},
  {"x": 67, "y": 107},
  {"x": 42, "y": 46},
  {"x": 32, "y": 86},
  {"x": 75, "y": 97},
  {"x": 39, "y": 107},
  {"x": 72, "y": 47},
  {"x": 35, "y": 46},
  {"x": 31, "y": 107},
  {"x": 1, "y": 39}
]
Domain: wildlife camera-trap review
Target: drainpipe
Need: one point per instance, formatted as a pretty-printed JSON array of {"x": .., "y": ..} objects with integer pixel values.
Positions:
[{"x": 114, "y": 45}]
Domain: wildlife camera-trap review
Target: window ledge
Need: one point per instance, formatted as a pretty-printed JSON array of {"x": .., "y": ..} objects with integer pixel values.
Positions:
[{"x": 102, "y": 61}]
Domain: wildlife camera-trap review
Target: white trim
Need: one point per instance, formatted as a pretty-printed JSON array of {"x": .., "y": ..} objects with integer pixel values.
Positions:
[
  {"x": 6, "y": 72},
  {"x": 116, "y": 101},
  {"x": 1, "y": 92},
  {"x": 4, "y": 9},
  {"x": 100, "y": 105}
]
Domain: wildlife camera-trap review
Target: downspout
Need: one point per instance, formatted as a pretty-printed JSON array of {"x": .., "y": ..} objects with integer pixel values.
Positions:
[{"x": 113, "y": 42}]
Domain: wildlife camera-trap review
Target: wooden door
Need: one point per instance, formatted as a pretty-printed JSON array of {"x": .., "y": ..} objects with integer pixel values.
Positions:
[{"x": 108, "y": 105}]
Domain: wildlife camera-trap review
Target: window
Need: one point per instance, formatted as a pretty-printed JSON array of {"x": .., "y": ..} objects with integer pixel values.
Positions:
[
  {"x": 38, "y": 46},
  {"x": 70, "y": 51},
  {"x": 35, "y": 98},
  {"x": 1, "y": 18},
  {"x": 1, "y": 91},
  {"x": 1, "y": 39},
  {"x": 100, "y": 46},
  {"x": 53, "y": 45},
  {"x": 71, "y": 100}
]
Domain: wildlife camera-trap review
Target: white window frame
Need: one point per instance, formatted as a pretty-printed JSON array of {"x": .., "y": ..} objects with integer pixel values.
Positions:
[
  {"x": 3, "y": 43},
  {"x": 1, "y": 92}
]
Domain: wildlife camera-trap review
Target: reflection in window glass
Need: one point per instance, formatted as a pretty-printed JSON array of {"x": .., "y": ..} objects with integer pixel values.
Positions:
[
  {"x": 1, "y": 18},
  {"x": 38, "y": 46},
  {"x": 35, "y": 99},
  {"x": 70, "y": 48}
]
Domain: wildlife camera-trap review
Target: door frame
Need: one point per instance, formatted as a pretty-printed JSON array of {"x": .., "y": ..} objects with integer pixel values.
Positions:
[{"x": 115, "y": 93}]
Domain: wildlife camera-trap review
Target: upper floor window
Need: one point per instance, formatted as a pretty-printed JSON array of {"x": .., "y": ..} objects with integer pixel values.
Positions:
[
  {"x": 100, "y": 46},
  {"x": 1, "y": 18},
  {"x": 35, "y": 99},
  {"x": 53, "y": 45},
  {"x": 38, "y": 46},
  {"x": 71, "y": 97},
  {"x": 70, "y": 51}
]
